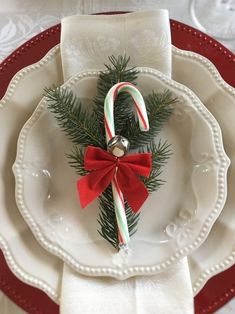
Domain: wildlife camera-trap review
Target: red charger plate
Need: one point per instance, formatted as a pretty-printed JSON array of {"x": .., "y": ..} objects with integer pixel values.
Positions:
[{"x": 218, "y": 290}]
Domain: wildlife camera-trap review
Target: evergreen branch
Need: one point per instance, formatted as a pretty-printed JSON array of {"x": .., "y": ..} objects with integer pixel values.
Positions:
[
  {"x": 132, "y": 219},
  {"x": 76, "y": 160},
  {"x": 160, "y": 154},
  {"x": 118, "y": 70},
  {"x": 159, "y": 108},
  {"x": 75, "y": 121},
  {"x": 153, "y": 182}
]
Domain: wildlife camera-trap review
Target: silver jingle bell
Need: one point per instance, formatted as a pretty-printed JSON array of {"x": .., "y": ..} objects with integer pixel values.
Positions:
[{"x": 118, "y": 146}]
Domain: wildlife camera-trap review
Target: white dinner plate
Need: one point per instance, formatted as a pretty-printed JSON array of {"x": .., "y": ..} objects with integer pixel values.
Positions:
[
  {"x": 218, "y": 252},
  {"x": 25, "y": 257},
  {"x": 175, "y": 220},
  {"x": 35, "y": 268}
]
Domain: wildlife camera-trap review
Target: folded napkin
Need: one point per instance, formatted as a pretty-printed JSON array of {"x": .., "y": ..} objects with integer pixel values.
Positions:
[
  {"x": 86, "y": 43},
  {"x": 168, "y": 292}
]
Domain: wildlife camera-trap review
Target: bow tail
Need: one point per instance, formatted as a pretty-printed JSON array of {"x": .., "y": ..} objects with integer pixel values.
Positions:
[
  {"x": 132, "y": 187},
  {"x": 93, "y": 184}
]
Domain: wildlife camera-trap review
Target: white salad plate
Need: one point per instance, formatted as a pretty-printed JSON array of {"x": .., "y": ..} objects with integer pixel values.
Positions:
[
  {"x": 36, "y": 267},
  {"x": 190, "y": 200}
]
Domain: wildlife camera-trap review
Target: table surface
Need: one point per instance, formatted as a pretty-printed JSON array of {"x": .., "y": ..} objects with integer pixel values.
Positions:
[{"x": 22, "y": 19}]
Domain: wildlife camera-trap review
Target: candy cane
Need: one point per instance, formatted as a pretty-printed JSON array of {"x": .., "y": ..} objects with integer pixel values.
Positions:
[{"x": 123, "y": 233}]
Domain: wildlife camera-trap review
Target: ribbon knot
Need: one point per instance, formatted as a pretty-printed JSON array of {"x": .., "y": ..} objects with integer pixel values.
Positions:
[
  {"x": 117, "y": 161},
  {"x": 105, "y": 167}
]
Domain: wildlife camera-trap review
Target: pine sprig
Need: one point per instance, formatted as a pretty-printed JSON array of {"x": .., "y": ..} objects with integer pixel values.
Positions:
[
  {"x": 159, "y": 108},
  {"x": 87, "y": 128},
  {"x": 75, "y": 121},
  {"x": 116, "y": 72},
  {"x": 161, "y": 152},
  {"x": 76, "y": 160}
]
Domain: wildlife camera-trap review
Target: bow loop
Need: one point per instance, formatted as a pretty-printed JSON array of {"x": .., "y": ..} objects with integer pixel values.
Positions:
[
  {"x": 139, "y": 163},
  {"x": 96, "y": 158}
]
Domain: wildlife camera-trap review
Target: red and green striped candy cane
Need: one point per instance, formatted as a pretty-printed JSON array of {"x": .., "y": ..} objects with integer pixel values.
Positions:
[{"x": 123, "y": 233}]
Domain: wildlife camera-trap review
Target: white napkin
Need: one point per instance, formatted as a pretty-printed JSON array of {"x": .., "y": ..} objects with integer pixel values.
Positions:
[
  {"x": 169, "y": 292},
  {"x": 87, "y": 40},
  {"x": 86, "y": 43}
]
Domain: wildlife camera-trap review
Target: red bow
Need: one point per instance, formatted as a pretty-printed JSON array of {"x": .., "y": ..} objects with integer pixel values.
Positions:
[{"x": 104, "y": 166}]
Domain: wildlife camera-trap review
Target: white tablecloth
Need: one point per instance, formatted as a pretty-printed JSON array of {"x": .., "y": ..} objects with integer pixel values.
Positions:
[{"x": 22, "y": 19}]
